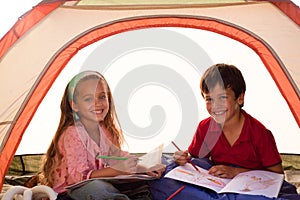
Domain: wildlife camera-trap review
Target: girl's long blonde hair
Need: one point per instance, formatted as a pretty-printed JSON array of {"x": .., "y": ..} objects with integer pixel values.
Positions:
[{"x": 53, "y": 155}]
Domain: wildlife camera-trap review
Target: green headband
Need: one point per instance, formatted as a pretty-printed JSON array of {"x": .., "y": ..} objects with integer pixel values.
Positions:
[{"x": 76, "y": 79}]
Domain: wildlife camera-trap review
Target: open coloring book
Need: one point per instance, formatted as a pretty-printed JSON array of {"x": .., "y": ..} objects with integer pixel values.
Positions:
[
  {"x": 255, "y": 182},
  {"x": 146, "y": 162}
]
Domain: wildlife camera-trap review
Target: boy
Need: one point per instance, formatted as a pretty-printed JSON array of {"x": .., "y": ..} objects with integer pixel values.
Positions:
[
  {"x": 234, "y": 140},
  {"x": 227, "y": 143}
]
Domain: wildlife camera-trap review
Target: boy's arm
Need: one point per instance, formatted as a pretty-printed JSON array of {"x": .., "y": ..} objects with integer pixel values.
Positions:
[
  {"x": 180, "y": 157},
  {"x": 225, "y": 171},
  {"x": 276, "y": 168}
]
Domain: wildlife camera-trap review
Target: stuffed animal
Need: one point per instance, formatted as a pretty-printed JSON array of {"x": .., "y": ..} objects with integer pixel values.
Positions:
[{"x": 39, "y": 192}]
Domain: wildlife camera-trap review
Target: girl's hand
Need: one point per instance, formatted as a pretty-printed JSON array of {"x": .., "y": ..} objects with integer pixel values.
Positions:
[
  {"x": 224, "y": 171},
  {"x": 156, "y": 171},
  {"x": 128, "y": 166},
  {"x": 181, "y": 157}
]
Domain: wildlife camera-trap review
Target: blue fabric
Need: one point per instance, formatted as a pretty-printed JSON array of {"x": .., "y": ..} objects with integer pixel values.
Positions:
[
  {"x": 161, "y": 189},
  {"x": 63, "y": 196},
  {"x": 96, "y": 190}
]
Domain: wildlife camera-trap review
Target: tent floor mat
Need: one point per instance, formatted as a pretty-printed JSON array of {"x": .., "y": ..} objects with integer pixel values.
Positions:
[{"x": 25, "y": 166}]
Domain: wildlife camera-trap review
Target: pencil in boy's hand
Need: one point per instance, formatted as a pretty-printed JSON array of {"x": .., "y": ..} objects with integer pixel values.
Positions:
[
  {"x": 175, "y": 193},
  {"x": 188, "y": 160},
  {"x": 176, "y": 146},
  {"x": 112, "y": 157}
]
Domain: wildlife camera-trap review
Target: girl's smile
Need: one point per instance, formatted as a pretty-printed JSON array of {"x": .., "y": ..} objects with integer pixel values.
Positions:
[{"x": 91, "y": 102}]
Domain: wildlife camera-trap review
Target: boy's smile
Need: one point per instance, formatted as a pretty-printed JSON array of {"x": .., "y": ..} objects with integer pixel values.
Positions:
[{"x": 222, "y": 104}]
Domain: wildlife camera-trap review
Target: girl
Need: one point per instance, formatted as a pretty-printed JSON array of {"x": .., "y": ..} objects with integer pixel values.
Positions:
[{"x": 88, "y": 127}]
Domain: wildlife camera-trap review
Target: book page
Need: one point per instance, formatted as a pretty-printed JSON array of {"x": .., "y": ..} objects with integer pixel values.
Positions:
[
  {"x": 188, "y": 174},
  {"x": 152, "y": 158},
  {"x": 256, "y": 182}
]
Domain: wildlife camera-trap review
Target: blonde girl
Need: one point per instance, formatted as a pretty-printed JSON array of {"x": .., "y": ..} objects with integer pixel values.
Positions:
[{"x": 88, "y": 127}]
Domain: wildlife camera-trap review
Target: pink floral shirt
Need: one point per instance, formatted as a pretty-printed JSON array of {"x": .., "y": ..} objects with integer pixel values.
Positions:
[{"x": 79, "y": 155}]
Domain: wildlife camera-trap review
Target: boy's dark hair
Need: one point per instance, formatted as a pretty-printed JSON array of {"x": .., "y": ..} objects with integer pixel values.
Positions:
[{"x": 228, "y": 76}]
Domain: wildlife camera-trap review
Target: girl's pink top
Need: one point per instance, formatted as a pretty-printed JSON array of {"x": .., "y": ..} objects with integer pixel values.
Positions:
[{"x": 79, "y": 155}]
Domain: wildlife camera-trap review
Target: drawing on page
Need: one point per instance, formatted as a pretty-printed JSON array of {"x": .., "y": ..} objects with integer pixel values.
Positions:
[
  {"x": 198, "y": 177},
  {"x": 256, "y": 183}
]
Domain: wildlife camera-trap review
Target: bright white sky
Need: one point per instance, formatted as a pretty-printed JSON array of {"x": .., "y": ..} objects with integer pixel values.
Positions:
[{"x": 11, "y": 10}]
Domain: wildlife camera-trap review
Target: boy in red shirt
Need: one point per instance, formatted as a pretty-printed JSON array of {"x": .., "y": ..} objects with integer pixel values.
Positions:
[
  {"x": 230, "y": 137},
  {"x": 227, "y": 143}
]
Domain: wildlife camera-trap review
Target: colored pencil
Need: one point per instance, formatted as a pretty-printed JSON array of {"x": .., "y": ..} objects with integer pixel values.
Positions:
[
  {"x": 112, "y": 157},
  {"x": 175, "y": 193},
  {"x": 175, "y": 145},
  {"x": 188, "y": 160}
]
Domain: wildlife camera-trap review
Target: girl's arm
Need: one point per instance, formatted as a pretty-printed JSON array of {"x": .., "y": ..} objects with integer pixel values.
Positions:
[
  {"x": 120, "y": 167},
  {"x": 106, "y": 172}
]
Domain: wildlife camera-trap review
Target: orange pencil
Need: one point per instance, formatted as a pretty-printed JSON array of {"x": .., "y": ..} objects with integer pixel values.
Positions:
[
  {"x": 175, "y": 193},
  {"x": 188, "y": 160}
]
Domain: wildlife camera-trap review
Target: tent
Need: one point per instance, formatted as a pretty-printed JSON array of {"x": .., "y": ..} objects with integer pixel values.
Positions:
[{"x": 36, "y": 52}]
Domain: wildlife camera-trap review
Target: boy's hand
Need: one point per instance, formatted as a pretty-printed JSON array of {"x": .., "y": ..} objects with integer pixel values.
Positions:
[
  {"x": 224, "y": 171},
  {"x": 181, "y": 157}
]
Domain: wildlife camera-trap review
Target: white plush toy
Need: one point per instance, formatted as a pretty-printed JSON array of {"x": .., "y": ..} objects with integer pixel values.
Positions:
[{"x": 39, "y": 192}]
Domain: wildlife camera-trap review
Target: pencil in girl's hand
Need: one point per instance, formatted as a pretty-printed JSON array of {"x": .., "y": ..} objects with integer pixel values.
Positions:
[
  {"x": 112, "y": 157},
  {"x": 175, "y": 193},
  {"x": 188, "y": 160}
]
